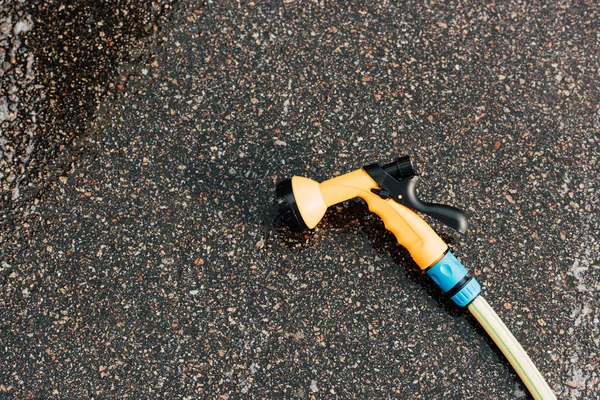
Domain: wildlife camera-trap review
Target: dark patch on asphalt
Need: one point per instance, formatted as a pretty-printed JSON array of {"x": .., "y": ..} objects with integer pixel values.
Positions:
[{"x": 72, "y": 57}]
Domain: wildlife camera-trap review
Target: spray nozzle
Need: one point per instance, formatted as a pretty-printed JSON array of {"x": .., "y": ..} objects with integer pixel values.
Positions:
[
  {"x": 288, "y": 209},
  {"x": 398, "y": 180},
  {"x": 302, "y": 202}
]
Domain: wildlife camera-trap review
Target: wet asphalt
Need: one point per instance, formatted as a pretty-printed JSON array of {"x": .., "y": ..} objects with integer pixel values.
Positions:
[{"x": 141, "y": 144}]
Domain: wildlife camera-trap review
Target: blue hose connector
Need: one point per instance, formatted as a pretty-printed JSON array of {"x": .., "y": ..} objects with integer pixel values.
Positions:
[
  {"x": 467, "y": 293},
  {"x": 452, "y": 277}
]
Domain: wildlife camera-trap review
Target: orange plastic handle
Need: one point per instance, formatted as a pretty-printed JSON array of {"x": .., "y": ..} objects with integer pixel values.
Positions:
[{"x": 411, "y": 231}]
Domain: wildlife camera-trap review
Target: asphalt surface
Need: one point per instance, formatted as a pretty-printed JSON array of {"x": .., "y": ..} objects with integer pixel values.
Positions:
[{"x": 141, "y": 145}]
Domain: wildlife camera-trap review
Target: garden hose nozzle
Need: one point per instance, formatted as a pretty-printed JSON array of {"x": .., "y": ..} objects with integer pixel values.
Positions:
[{"x": 389, "y": 191}]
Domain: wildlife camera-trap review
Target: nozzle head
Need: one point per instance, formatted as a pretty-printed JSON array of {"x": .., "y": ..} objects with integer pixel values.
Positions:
[{"x": 287, "y": 209}]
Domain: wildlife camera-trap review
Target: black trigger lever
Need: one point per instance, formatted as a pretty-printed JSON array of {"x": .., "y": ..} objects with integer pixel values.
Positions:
[{"x": 397, "y": 180}]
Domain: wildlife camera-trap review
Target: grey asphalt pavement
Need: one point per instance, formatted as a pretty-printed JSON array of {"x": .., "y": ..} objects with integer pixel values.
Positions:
[{"x": 141, "y": 144}]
